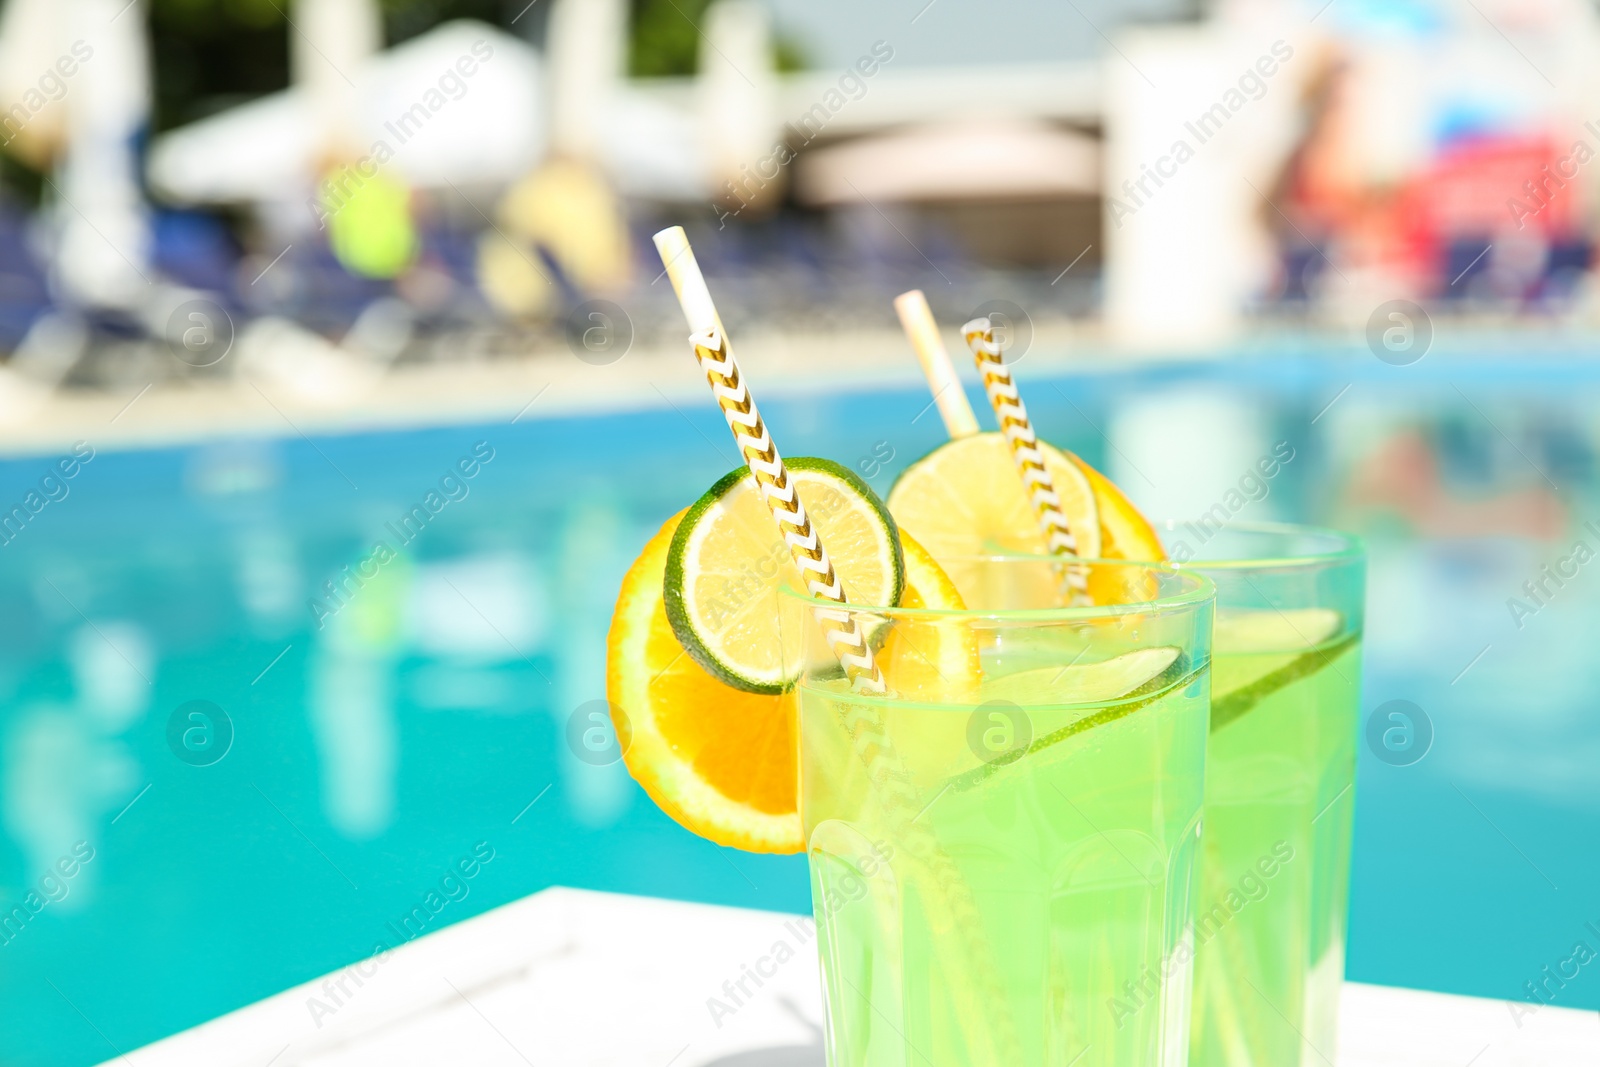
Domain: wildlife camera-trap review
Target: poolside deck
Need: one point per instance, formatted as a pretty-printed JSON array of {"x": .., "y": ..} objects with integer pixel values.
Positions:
[
  {"x": 304, "y": 386},
  {"x": 569, "y": 977}
]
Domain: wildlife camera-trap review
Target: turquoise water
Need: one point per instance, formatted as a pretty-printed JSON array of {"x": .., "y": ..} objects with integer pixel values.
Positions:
[{"x": 375, "y": 760}]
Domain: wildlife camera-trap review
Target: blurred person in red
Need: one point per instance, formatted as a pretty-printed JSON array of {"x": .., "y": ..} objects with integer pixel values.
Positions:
[{"x": 1440, "y": 160}]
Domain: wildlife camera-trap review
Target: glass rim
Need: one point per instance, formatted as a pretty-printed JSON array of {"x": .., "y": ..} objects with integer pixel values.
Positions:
[
  {"x": 1345, "y": 547},
  {"x": 1202, "y": 590}
]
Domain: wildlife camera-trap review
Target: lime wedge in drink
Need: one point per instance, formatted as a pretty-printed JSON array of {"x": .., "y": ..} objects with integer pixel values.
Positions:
[
  {"x": 934, "y": 739},
  {"x": 1082, "y": 683},
  {"x": 1258, "y": 652},
  {"x": 1105, "y": 680}
]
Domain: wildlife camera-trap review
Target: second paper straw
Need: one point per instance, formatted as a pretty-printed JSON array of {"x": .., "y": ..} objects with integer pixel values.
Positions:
[{"x": 1012, "y": 415}]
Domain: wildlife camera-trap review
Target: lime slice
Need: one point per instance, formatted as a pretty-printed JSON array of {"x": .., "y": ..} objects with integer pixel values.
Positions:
[
  {"x": 935, "y": 744},
  {"x": 1271, "y": 630},
  {"x": 1257, "y": 653},
  {"x": 1249, "y": 645},
  {"x": 1180, "y": 673},
  {"x": 728, "y": 561},
  {"x": 965, "y": 498},
  {"x": 1082, "y": 683}
]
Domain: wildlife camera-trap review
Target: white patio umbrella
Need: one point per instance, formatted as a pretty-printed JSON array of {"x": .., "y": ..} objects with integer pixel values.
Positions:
[
  {"x": 414, "y": 104},
  {"x": 442, "y": 126},
  {"x": 965, "y": 158},
  {"x": 76, "y": 78}
]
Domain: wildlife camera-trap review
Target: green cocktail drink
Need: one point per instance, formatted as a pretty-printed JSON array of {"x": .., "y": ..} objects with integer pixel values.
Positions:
[
  {"x": 1270, "y": 928},
  {"x": 1004, "y": 849}
]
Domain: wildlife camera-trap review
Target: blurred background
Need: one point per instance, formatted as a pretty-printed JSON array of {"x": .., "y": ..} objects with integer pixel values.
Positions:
[{"x": 274, "y": 273}]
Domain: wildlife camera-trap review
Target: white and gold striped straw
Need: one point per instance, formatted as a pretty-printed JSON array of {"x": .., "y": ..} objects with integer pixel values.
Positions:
[
  {"x": 841, "y": 628},
  {"x": 994, "y": 1038},
  {"x": 1012, "y": 415}
]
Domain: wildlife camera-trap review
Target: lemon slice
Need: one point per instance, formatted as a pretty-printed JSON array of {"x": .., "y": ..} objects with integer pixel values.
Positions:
[
  {"x": 965, "y": 498},
  {"x": 1124, "y": 532},
  {"x": 728, "y": 561},
  {"x": 723, "y": 762},
  {"x": 720, "y": 761}
]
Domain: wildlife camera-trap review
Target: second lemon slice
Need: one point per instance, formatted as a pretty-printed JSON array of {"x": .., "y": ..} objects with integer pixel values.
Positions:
[{"x": 966, "y": 498}]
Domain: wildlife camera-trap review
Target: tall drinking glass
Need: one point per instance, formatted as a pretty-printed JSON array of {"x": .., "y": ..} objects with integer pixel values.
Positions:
[
  {"x": 1275, "y": 868},
  {"x": 1003, "y": 847}
]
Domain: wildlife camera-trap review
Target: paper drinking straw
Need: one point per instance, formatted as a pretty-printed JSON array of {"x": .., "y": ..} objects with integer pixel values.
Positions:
[
  {"x": 1012, "y": 415},
  {"x": 992, "y": 1032},
  {"x": 711, "y": 348},
  {"x": 917, "y": 319}
]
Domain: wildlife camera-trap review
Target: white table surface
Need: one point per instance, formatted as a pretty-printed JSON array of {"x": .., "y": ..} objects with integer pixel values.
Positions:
[{"x": 570, "y": 977}]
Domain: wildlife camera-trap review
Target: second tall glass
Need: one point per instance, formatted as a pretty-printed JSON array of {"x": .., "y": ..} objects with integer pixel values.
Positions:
[
  {"x": 1275, "y": 870},
  {"x": 1003, "y": 847}
]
